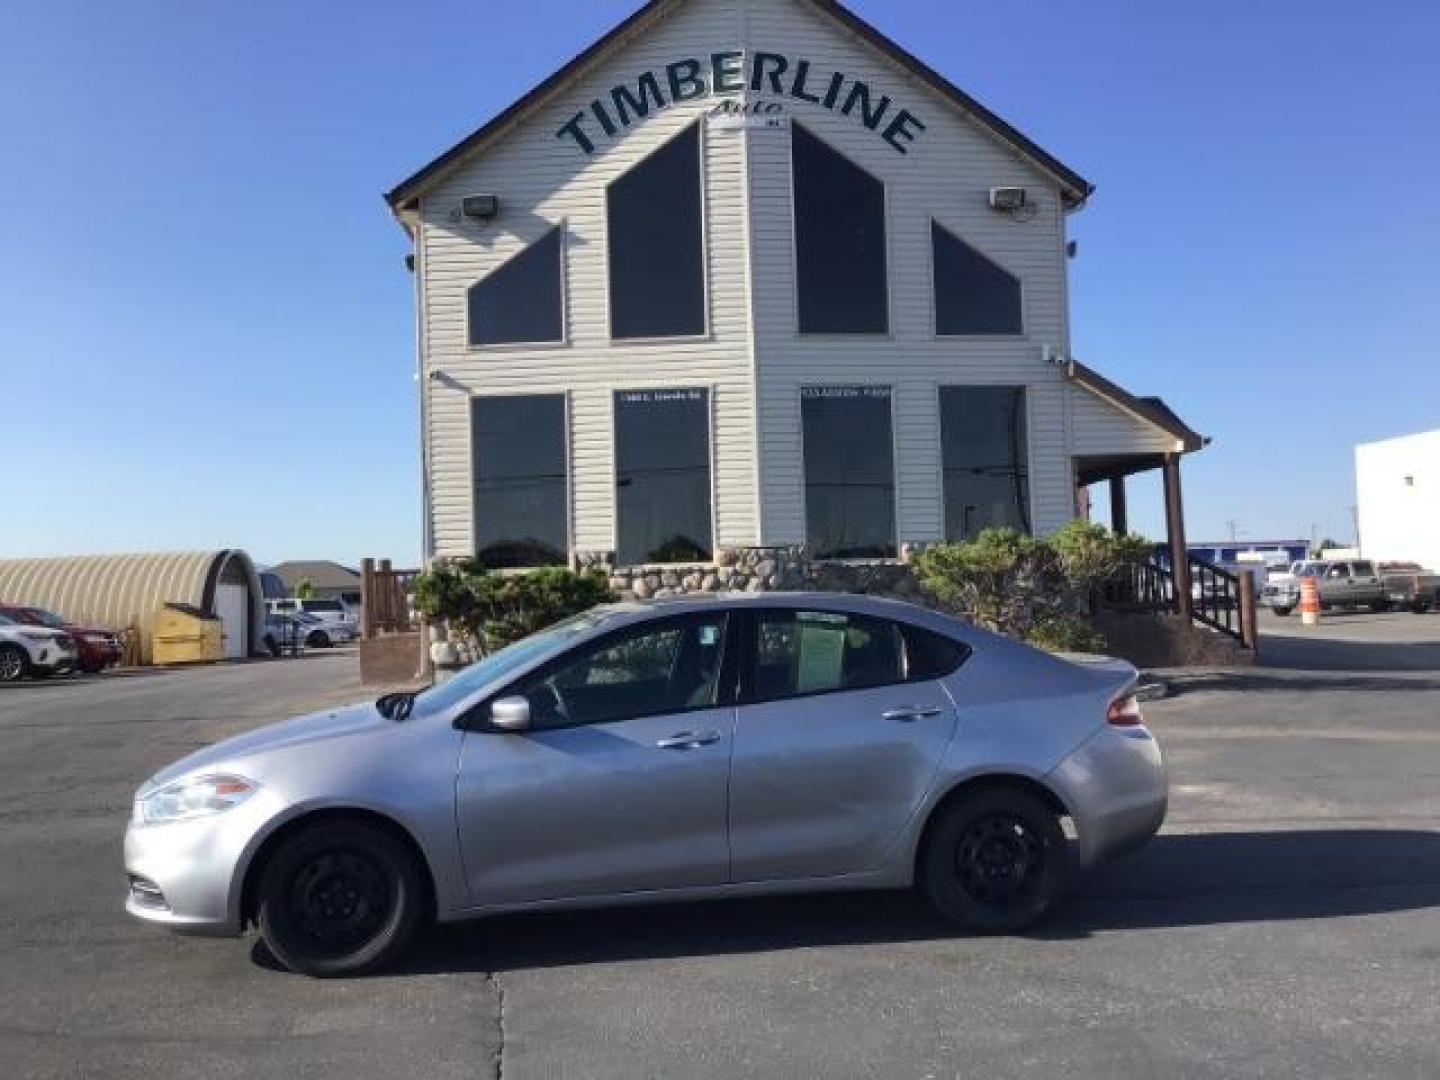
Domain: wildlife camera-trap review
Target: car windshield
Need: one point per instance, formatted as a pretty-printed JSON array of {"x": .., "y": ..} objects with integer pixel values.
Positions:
[
  {"x": 322, "y": 605},
  {"x": 5, "y": 620},
  {"x": 47, "y": 618},
  {"x": 1308, "y": 569},
  {"x": 499, "y": 664}
]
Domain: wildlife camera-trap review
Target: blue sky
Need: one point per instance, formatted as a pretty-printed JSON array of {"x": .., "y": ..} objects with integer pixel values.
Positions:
[{"x": 206, "y": 327}]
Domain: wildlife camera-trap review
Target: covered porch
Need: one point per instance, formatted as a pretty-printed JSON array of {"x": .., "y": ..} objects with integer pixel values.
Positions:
[{"x": 1119, "y": 435}]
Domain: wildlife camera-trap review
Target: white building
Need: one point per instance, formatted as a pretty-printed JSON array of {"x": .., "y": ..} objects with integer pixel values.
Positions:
[
  {"x": 746, "y": 274},
  {"x": 1397, "y": 482}
]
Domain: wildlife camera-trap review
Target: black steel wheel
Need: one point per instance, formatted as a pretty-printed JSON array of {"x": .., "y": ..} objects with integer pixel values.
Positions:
[
  {"x": 994, "y": 860},
  {"x": 1282, "y": 611},
  {"x": 318, "y": 639},
  {"x": 13, "y": 663},
  {"x": 340, "y": 898}
]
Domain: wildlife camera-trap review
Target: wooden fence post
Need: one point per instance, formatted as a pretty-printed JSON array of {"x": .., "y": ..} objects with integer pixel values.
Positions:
[{"x": 367, "y": 598}]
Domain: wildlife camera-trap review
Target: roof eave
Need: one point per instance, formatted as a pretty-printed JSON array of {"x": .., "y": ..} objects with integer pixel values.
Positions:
[{"x": 1187, "y": 439}]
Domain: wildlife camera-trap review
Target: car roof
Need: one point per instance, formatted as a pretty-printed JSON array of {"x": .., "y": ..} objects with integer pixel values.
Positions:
[{"x": 879, "y": 606}]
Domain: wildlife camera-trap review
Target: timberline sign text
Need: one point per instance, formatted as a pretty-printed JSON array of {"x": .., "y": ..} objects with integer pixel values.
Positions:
[{"x": 770, "y": 74}]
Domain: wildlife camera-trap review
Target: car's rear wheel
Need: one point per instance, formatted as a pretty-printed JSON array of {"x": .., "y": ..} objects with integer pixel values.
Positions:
[
  {"x": 13, "y": 663},
  {"x": 318, "y": 639},
  {"x": 340, "y": 898},
  {"x": 1282, "y": 611},
  {"x": 994, "y": 860}
]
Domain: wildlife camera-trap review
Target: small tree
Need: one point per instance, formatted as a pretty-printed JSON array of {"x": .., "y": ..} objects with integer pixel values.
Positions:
[
  {"x": 304, "y": 589},
  {"x": 487, "y": 611}
]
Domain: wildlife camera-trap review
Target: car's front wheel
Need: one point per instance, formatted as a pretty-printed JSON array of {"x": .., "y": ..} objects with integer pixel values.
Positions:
[
  {"x": 994, "y": 860},
  {"x": 340, "y": 898},
  {"x": 13, "y": 663},
  {"x": 318, "y": 639}
]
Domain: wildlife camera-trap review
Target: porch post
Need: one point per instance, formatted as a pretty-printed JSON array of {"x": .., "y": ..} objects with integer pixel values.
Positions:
[
  {"x": 1119, "y": 512},
  {"x": 1175, "y": 528}
]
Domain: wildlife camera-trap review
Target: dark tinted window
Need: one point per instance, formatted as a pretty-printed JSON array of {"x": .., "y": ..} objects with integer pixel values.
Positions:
[
  {"x": 657, "y": 273},
  {"x": 929, "y": 655},
  {"x": 818, "y": 652},
  {"x": 983, "y": 443},
  {"x": 972, "y": 294},
  {"x": 520, "y": 302},
  {"x": 521, "y": 498},
  {"x": 839, "y": 241},
  {"x": 662, "y": 467},
  {"x": 849, "y": 472},
  {"x": 667, "y": 666}
]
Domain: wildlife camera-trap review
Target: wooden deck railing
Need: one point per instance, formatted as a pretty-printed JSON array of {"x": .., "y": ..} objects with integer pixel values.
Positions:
[
  {"x": 386, "y": 597},
  {"x": 1219, "y": 600}
]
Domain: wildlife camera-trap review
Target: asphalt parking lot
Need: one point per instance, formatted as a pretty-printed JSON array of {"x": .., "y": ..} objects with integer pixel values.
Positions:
[{"x": 1285, "y": 923}]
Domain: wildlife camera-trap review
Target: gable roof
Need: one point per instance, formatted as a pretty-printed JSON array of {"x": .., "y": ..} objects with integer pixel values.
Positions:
[
  {"x": 1152, "y": 410},
  {"x": 1074, "y": 187},
  {"x": 321, "y": 573}
]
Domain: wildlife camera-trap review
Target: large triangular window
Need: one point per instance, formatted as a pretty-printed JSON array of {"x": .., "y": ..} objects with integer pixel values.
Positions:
[
  {"x": 840, "y": 272},
  {"x": 657, "y": 246},
  {"x": 521, "y": 303},
  {"x": 972, "y": 294}
]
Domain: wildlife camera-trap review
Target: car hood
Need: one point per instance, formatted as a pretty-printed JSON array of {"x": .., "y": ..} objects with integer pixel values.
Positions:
[
  {"x": 313, "y": 727},
  {"x": 32, "y": 631}
]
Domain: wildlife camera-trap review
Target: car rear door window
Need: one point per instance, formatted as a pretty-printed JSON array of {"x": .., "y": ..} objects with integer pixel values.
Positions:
[{"x": 818, "y": 652}]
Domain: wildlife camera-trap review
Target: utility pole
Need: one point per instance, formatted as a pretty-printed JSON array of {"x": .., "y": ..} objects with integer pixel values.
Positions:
[
  {"x": 1355, "y": 520},
  {"x": 1234, "y": 527}
]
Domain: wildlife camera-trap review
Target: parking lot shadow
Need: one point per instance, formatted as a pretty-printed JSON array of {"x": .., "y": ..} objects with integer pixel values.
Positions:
[{"x": 1176, "y": 881}]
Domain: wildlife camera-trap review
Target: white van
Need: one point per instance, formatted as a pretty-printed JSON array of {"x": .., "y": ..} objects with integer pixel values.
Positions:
[{"x": 333, "y": 613}]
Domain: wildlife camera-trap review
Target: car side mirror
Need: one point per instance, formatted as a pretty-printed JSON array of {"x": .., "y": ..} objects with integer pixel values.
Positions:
[{"x": 510, "y": 714}]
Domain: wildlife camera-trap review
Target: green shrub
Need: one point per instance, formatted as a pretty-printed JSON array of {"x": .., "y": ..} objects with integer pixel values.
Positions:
[
  {"x": 1042, "y": 591},
  {"x": 486, "y": 610}
]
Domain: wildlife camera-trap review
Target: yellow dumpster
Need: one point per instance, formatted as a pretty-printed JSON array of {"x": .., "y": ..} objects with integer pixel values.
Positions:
[{"x": 187, "y": 635}]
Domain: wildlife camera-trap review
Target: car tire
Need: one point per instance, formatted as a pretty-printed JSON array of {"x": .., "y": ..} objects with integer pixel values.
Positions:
[
  {"x": 318, "y": 639},
  {"x": 1283, "y": 612},
  {"x": 994, "y": 860},
  {"x": 1379, "y": 607},
  {"x": 340, "y": 899},
  {"x": 14, "y": 663}
]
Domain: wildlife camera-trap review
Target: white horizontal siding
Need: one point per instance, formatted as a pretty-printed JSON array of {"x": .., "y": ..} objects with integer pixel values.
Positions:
[
  {"x": 1103, "y": 428},
  {"x": 946, "y": 176},
  {"x": 753, "y": 360},
  {"x": 541, "y": 181}
]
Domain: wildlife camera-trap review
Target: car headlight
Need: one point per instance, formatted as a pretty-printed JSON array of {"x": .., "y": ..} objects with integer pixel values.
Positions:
[{"x": 193, "y": 797}]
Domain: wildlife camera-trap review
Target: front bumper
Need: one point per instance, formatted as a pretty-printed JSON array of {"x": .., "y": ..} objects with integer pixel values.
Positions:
[
  {"x": 188, "y": 875},
  {"x": 1116, "y": 789},
  {"x": 53, "y": 659}
]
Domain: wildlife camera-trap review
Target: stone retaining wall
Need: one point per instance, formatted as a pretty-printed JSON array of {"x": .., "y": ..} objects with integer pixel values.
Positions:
[{"x": 767, "y": 569}]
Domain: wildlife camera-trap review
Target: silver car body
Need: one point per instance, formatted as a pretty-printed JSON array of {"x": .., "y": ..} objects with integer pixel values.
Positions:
[{"x": 823, "y": 792}]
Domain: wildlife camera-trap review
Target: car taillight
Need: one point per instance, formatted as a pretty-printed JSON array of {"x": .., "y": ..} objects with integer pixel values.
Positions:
[{"x": 1125, "y": 712}]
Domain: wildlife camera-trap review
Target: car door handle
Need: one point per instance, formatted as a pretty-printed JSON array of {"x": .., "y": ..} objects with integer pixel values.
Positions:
[
  {"x": 908, "y": 714},
  {"x": 689, "y": 740}
]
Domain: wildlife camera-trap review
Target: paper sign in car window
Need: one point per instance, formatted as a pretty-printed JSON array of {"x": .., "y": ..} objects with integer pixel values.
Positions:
[
  {"x": 820, "y": 644},
  {"x": 709, "y": 636}
]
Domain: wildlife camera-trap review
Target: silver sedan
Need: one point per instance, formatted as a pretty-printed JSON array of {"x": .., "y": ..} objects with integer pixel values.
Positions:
[{"x": 719, "y": 746}]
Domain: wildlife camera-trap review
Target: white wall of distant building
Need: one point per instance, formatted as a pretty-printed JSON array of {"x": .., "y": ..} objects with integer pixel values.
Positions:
[{"x": 1397, "y": 482}]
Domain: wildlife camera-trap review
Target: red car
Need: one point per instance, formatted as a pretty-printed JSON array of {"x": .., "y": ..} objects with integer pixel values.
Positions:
[{"x": 97, "y": 647}]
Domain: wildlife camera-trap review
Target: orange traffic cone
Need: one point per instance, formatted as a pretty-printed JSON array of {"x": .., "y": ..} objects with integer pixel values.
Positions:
[{"x": 1310, "y": 601}]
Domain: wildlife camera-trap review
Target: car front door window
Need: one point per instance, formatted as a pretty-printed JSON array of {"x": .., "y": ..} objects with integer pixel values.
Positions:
[{"x": 669, "y": 667}]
